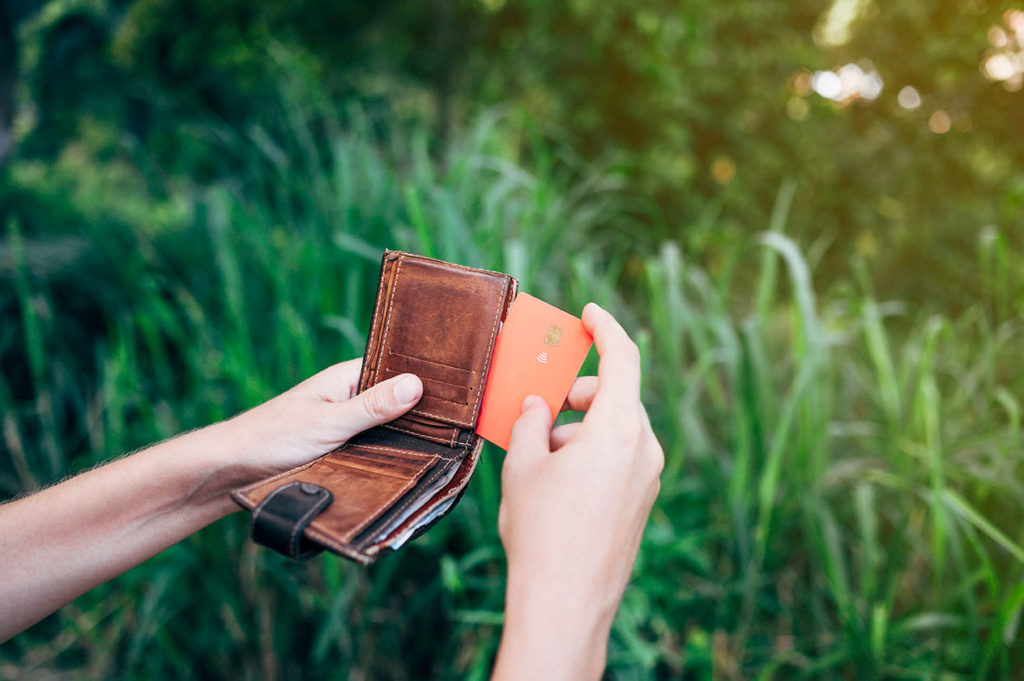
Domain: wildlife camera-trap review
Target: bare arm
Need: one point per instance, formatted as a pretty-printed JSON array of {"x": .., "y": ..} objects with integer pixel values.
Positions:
[
  {"x": 62, "y": 541},
  {"x": 574, "y": 504}
]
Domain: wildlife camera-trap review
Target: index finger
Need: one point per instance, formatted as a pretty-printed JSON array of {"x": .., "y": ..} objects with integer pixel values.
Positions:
[
  {"x": 336, "y": 383},
  {"x": 618, "y": 372}
]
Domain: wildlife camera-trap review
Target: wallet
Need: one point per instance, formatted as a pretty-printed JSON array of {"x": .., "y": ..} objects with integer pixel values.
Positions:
[{"x": 391, "y": 483}]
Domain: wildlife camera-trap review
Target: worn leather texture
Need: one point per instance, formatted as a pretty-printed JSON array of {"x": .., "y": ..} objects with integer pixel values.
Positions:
[
  {"x": 279, "y": 520},
  {"x": 439, "y": 321}
]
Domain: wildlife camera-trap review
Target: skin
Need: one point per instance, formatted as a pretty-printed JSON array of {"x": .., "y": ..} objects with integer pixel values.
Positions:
[
  {"x": 116, "y": 516},
  {"x": 575, "y": 500},
  {"x": 574, "y": 504}
]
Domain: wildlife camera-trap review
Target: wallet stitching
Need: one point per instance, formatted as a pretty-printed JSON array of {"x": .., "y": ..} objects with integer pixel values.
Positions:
[
  {"x": 429, "y": 361},
  {"x": 256, "y": 512},
  {"x": 490, "y": 343},
  {"x": 487, "y": 362},
  {"x": 442, "y": 417},
  {"x": 450, "y": 490},
  {"x": 343, "y": 549},
  {"x": 329, "y": 541},
  {"x": 352, "y": 462},
  {"x": 304, "y": 521},
  {"x": 467, "y": 268},
  {"x": 487, "y": 357},
  {"x": 387, "y": 321},
  {"x": 373, "y": 322},
  {"x": 293, "y": 547},
  {"x": 383, "y": 448},
  {"x": 397, "y": 509},
  {"x": 246, "y": 492},
  {"x": 433, "y": 438},
  {"x": 434, "y": 380},
  {"x": 371, "y": 517}
]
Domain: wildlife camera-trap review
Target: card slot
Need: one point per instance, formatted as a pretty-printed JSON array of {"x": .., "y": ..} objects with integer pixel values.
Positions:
[
  {"x": 415, "y": 360},
  {"x": 365, "y": 486},
  {"x": 432, "y": 379},
  {"x": 437, "y": 389},
  {"x": 438, "y": 321},
  {"x": 395, "y": 469},
  {"x": 428, "y": 512},
  {"x": 410, "y": 503},
  {"x": 377, "y": 459}
]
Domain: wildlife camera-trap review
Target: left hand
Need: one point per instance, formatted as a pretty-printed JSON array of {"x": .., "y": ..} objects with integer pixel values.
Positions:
[
  {"x": 63, "y": 540},
  {"x": 315, "y": 417}
]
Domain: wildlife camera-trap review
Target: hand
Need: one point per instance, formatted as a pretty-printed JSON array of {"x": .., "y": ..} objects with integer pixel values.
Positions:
[
  {"x": 313, "y": 418},
  {"x": 574, "y": 504},
  {"x": 64, "y": 540}
]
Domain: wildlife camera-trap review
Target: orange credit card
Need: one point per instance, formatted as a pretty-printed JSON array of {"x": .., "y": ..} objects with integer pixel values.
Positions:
[{"x": 539, "y": 351}]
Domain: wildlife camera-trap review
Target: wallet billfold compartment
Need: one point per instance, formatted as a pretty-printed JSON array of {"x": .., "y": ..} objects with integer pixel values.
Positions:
[{"x": 387, "y": 485}]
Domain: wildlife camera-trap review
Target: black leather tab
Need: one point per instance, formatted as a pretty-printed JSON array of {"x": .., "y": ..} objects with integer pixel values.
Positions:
[{"x": 280, "y": 519}]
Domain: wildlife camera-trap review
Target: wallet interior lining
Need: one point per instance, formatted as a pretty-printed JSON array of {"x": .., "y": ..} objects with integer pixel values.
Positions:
[
  {"x": 386, "y": 437},
  {"x": 445, "y": 385},
  {"x": 414, "y": 498},
  {"x": 442, "y": 390}
]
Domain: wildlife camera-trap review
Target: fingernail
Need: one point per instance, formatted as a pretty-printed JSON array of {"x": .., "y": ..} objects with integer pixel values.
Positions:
[
  {"x": 408, "y": 389},
  {"x": 528, "y": 402}
]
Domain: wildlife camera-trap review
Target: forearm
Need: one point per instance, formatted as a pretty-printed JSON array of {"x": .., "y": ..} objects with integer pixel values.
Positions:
[
  {"x": 62, "y": 541},
  {"x": 574, "y": 504},
  {"x": 551, "y": 632},
  {"x": 58, "y": 543}
]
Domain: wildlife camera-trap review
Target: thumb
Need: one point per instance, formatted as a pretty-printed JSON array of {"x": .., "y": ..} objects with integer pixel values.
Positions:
[
  {"x": 531, "y": 433},
  {"x": 379, "y": 404}
]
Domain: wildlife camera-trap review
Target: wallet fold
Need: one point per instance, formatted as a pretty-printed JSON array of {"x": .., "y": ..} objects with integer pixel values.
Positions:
[{"x": 439, "y": 321}]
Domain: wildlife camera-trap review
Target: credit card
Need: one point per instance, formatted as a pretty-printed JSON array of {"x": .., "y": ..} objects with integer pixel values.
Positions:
[{"x": 539, "y": 351}]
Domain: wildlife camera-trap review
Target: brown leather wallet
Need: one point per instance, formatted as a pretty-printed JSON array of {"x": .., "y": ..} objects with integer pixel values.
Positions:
[{"x": 391, "y": 483}]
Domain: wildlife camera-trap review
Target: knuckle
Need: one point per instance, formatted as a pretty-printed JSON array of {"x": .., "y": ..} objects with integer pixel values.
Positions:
[
  {"x": 635, "y": 422},
  {"x": 655, "y": 489},
  {"x": 502, "y": 519},
  {"x": 376, "y": 405},
  {"x": 657, "y": 458},
  {"x": 622, "y": 437},
  {"x": 650, "y": 454}
]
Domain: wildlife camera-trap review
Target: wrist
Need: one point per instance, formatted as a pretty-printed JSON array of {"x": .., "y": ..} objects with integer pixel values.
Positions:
[
  {"x": 553, "y": 628},
  {"x": 208, "y": 463}
]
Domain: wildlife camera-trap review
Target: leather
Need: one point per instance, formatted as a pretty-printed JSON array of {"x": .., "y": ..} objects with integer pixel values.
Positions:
[
  {"x": 279, "y": 520},
  {"x": 437, "y": 320}
]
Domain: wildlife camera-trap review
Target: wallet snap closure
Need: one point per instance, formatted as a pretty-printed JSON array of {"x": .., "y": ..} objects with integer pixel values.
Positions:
[
  {"x": 281, "y": 518},
  {"x": 439, "y": 321}
]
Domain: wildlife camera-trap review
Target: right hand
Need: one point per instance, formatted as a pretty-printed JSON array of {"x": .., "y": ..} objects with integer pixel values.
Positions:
[{"x": 575, "y": 501}]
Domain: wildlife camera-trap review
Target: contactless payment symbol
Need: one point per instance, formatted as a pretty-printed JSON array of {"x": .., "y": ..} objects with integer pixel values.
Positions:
[{"x": 554, "y": 335}]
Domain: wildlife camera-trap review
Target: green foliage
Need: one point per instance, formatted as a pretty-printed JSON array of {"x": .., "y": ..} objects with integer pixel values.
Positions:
[
  {"x": 842, "y": 479},
  {"x": 826, "y": 296},
  {"x": 705, "y": 108}
]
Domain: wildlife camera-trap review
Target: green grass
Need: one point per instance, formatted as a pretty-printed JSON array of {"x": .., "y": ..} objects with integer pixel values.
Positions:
[{"x": 843, "y": 481}]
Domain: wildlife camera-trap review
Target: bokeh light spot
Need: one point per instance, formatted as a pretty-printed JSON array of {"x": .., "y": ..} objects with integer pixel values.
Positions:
[
  {"x": 848, "y": 83},
  {"x": 939, "y": 122},
  {"x": 800, "y": 83},
  {"x": 909, "y": 98},
  {"x": 1004, "y": 61},
  {"x": 723, "y": 170},
  {"x": 827, "y": 84}
]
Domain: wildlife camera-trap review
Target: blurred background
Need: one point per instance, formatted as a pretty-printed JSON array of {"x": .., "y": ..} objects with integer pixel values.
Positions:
[{"x": 808, "y": 213}]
